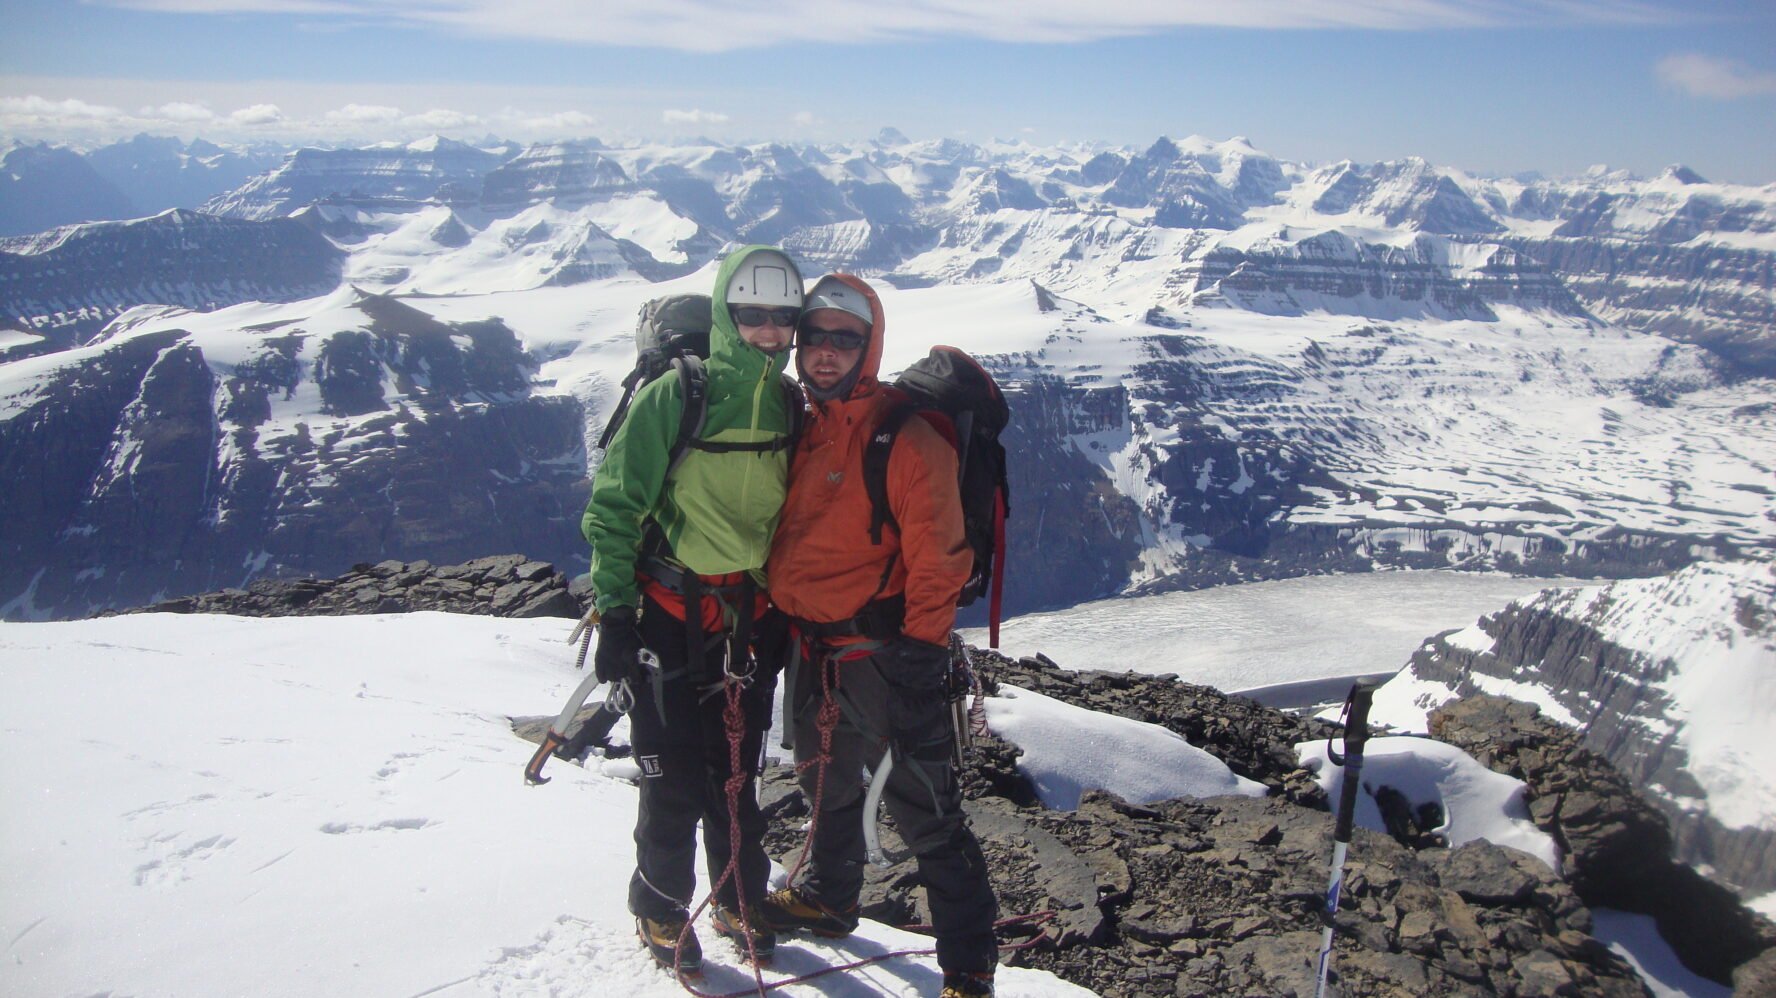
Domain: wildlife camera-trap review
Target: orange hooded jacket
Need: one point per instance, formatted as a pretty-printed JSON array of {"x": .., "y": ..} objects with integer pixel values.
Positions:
[{"x": 823, "y": 567}]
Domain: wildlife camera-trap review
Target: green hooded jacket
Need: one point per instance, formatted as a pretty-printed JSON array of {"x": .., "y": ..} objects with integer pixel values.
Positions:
[{"x": 717, "y": 510}]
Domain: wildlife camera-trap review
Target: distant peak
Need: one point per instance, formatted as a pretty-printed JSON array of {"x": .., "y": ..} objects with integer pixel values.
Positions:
[
  {"x": 1682, "y": 174},
  {"x": 892, "y": 136},
  {"x": 1164, "y": 149}
]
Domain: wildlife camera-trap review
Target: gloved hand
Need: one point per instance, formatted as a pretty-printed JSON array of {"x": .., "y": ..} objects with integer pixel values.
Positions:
[
  {"x": 770, "y": 642},
  {"x": 918, "y": 698},
  {"x": 619, "y": 646}
]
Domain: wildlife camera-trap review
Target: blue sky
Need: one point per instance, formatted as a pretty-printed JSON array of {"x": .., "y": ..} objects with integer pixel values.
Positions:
[{"x": 1495, "y": 86}]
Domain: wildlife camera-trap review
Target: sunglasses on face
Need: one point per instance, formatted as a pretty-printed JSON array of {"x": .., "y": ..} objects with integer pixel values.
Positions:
[
  {"x": 839, "y": 339},
  {"x": 753, "y": 315}
]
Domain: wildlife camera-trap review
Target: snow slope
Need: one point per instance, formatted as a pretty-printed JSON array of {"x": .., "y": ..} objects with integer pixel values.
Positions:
[{"x": 303, "y": 806}]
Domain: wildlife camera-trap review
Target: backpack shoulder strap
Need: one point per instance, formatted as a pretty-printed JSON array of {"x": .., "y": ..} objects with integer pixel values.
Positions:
[
  {"x": 690, "y": 433},
  {"x": 875, "y": 465},
  {"x": 693, "y": 386}
]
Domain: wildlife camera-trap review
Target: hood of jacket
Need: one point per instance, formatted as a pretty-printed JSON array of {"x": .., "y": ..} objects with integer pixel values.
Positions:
[
  {"x": 726, "y": 348},
  {"x": 869, "y": 366}
]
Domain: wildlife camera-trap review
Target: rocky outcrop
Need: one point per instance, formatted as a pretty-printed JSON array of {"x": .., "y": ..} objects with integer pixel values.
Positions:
[
  {"x": 1613, "y": 662},
  {"x": 498, "y": 586},
  {"x": 1617, "y": 845}
]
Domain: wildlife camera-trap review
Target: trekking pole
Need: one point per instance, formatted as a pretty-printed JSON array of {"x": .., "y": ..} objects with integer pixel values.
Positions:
[{"x": 1356, "y": 732}]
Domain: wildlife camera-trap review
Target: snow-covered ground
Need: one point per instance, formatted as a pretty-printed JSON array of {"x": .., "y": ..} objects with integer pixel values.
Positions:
[
  {"x": 298, "y": 806},
  {"x": 1266, "y": 633},
  {"x": 328, "y": 806}
]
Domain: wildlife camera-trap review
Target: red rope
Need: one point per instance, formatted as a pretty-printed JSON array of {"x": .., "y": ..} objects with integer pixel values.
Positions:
[
  {"x": 734, "y": 721},
  {"x": 825, "y": 721}
]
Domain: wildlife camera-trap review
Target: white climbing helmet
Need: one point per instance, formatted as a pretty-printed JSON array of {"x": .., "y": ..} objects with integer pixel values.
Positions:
[{"x": 766, "y": 278}]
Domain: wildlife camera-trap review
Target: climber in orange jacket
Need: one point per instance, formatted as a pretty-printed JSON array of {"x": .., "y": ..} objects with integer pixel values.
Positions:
[{"x": 871, "y": 625}]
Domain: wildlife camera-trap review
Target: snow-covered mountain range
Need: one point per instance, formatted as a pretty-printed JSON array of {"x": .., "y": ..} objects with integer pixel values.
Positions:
[{"x": 1223, "y": 365}]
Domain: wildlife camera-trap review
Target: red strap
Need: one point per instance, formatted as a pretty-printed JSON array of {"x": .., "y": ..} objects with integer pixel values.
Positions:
[{"x": 994, "y": 604}]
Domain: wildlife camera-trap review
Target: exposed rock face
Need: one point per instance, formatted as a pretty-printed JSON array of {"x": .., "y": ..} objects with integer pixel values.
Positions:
[
  {"x": 1621, "y": 664},
  {"x": 499, "y": 586},
  {"x": 1617, "y": 845},
  {"x": 1334, "y": 272},
  {"x": 70, "y": 282},
  {"x": 148, "y": 469},
  {"x": 1715, "y": 296},
  {"x": 1065, "y": 513}
]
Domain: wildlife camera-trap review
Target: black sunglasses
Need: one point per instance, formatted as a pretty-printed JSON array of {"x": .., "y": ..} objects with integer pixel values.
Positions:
[
  {"x": 838, "y": 339},
  {"x": 753, "y": 315}
]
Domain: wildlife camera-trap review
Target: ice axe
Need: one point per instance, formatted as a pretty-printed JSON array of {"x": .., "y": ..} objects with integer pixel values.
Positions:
[
  {"x": 621, "y": 699},
  {"x": 1356, "y": 731}
]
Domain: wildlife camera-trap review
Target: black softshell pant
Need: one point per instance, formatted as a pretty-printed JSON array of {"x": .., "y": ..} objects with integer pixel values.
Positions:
[
  {"x": 684, "y": 768},
  {"x": 924, "y": 799}
]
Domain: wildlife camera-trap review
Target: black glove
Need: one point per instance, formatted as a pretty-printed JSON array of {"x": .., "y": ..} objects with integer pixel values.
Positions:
[
  {"x": 918, "y": 698},
  {"x": 618, "y": 656},
  {"x": 770, "y": 642}
]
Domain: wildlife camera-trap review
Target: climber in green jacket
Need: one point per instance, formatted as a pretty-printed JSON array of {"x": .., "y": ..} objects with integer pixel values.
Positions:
[{"x": 678, "y": 548}]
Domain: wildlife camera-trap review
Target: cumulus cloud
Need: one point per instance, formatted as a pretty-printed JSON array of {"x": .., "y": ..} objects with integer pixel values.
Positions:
[
  {"x": 1710, "y": 76},
  {"x": 364, "y": 114},
  {"x": 49, "y": 111},
  {"x": 441, "y": 120},
  {"x": 693, "y": 117},
  {"x": 720, "y": 25},
  {"x": 257, "y": 116},
  {"x": 805, "y": 118}
]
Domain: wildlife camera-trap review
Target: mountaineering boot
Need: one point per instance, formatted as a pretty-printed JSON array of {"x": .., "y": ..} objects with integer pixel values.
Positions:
[
  {"x": 789, "y": 910},
  {"x": 660, "y": 936},
  {"x": 963, "y": 985},
  {"x": 729, "y": 925}
]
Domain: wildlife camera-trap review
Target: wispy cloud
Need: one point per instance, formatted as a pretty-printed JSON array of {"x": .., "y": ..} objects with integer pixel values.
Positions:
[
  {"x": 694, "y": 117},
  {"x": 87, "y": 122},
  {"x": 1711, "y": 76},
  {"x": 721, "y": 25}
]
